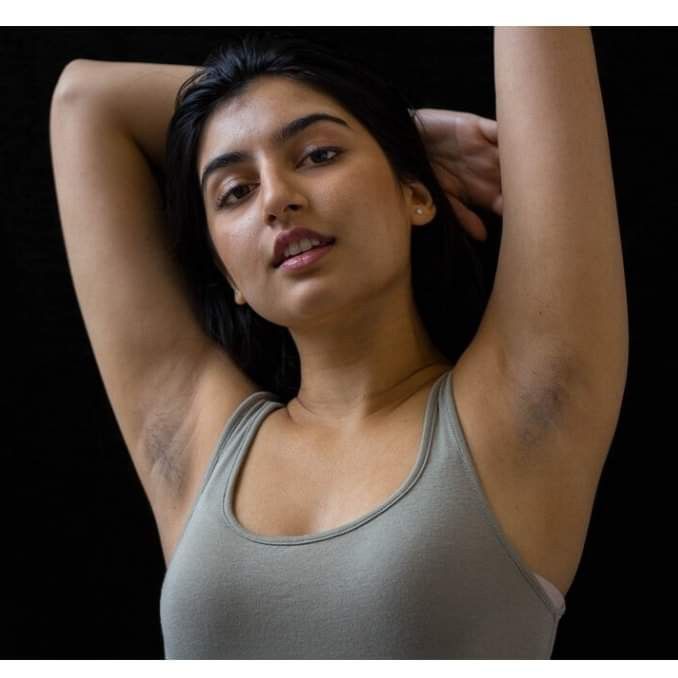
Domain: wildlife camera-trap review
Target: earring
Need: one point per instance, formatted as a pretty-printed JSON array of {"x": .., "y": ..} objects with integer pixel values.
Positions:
[{"x": 419, "y": 210}]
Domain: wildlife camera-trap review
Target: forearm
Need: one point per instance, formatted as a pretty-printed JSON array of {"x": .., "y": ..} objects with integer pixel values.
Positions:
[{"x": 139, "y": 97}]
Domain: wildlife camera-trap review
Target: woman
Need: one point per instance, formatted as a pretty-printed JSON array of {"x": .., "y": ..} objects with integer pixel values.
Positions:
[{"x": 292, "y": 418}]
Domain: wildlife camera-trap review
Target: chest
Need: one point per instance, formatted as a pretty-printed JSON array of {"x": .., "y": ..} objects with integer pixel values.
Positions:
[{"x": 288, "y": 485}]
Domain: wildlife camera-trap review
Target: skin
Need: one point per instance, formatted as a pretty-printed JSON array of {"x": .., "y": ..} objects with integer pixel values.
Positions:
[{"x": 363, "y": 348}]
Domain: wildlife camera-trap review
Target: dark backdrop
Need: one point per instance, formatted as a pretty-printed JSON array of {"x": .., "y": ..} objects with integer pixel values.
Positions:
[{"x": 81, "y": 552}]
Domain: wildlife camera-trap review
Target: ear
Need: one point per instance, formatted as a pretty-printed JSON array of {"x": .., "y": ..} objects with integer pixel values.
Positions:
[{"x": 419, "y": 203}]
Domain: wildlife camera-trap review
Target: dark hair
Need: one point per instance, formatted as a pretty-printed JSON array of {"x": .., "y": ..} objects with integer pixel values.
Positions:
[{"x": 447, "y": 281}]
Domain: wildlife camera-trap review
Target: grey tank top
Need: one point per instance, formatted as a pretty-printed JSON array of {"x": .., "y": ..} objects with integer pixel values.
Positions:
[{"x": 428, "y": 574}]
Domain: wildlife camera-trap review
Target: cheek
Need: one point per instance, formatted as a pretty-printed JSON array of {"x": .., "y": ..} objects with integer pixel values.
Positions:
[
  {"x": 234, "y": 242},
  {"x": 232, "y": 252},
  {"x": 357, "y": 200},
  {"x": 369, "y": 207}
]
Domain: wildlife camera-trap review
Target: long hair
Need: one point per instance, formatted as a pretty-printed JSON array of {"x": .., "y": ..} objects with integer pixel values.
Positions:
[{"x": 447, "y": 281}]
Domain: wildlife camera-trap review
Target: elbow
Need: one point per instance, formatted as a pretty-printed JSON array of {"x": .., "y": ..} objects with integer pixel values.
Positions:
[{"x": 74, "y": 82}]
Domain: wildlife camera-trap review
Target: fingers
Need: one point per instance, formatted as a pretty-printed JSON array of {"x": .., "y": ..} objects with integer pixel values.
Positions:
[
  {"x": 416, "y": 115},
  {"x": 469, "y": 220},
  {"x": 489, "y": 129}
]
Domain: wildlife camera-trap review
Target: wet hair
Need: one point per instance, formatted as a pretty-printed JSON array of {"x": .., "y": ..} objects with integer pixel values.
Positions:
[{"x": 447, "y": 281}]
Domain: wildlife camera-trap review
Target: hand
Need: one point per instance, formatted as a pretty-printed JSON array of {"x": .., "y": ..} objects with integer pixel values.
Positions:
[{"x": 462, "y": 149}]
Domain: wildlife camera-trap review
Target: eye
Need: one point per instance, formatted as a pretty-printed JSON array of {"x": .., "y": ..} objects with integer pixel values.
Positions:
[
  {"x": 222, "y": 200},
  {"x": 320, "y": 151}
]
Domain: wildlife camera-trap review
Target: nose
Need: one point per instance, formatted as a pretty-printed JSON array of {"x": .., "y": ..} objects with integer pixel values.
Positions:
[{"x": 280, "y": 196}]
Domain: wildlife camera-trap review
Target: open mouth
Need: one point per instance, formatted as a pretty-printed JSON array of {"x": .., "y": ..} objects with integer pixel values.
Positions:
[{"x": 303, "y": 259}]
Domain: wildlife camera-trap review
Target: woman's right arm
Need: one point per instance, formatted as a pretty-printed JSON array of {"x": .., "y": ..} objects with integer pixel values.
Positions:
[
  {"x": 161, "y": 371},
  {"x": 140, "y": 96}
]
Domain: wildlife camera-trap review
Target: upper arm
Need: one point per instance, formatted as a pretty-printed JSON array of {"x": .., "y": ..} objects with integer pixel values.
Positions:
[
  {"x": 150, "y": 349},
  {"x": 554, "y": 337},
  {"x": 559, "y": 288}
]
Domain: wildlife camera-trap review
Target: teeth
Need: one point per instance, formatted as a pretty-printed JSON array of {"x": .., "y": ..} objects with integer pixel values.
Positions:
[{"x": 300, "y": 246}]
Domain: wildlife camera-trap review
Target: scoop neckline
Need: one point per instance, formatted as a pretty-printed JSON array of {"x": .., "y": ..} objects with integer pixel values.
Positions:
[{"x": 291, "y": 540}]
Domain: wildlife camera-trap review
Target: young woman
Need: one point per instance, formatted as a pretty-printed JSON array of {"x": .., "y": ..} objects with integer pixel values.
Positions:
[{"x": 349, "y": 451}]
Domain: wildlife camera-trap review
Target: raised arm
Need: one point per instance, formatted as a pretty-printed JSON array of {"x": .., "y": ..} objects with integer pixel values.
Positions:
[
  {"x": 139, "y": 97},
  {"x": 559, "y": 296},
  {"x": 107, "y": 120}
]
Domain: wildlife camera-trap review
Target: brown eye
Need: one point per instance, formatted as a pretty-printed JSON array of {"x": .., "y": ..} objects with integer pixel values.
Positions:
[
  {"x": 221, "y": 202},
  {"x": 323, "y": 150}
]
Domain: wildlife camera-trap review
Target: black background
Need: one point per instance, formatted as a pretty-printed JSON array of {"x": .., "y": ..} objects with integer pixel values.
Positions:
[{"x": 82, "y": 555}]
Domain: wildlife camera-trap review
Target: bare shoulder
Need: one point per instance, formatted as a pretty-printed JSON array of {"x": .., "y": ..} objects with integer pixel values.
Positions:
[
  {"x": 181, "y": 453},
  {"x": 539, "y": 445}
]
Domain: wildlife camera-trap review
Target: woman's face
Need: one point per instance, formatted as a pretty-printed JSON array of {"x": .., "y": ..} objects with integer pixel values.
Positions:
[{"x": 329, "y": 177}]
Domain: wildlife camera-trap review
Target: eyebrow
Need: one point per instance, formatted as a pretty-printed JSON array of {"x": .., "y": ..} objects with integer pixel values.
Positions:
[{"x": 280, "y": 137}]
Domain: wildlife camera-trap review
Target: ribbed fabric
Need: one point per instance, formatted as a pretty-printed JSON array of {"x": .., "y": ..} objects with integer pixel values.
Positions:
[{"x": 429, "y": 574}]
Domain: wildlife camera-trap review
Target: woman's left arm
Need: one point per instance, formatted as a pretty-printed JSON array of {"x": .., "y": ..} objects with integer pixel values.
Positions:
[{"x": 559, "y": 284}]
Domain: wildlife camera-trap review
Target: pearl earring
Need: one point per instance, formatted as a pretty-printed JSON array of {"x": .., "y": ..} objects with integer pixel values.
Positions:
[{"x": 419, "y": 210}]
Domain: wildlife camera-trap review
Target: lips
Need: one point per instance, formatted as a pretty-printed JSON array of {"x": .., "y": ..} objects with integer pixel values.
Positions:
[{"x": 287, "y": 238}]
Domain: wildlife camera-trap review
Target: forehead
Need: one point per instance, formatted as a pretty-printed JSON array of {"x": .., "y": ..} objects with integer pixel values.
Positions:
[{"x": 264, "y": 106}]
